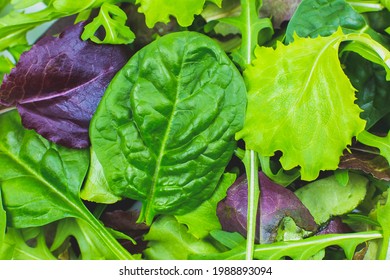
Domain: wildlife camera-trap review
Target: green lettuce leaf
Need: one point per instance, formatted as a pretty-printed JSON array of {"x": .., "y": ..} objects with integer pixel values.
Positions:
[
  {"x": 164, "y": 130},
  {"x": 170, "y": 240},
  {"x": 326, "y": 198},
  {"x": 300, "y": 102},
  {"x": 204, "y": 219},
  {"x": 183, "y": 10}
]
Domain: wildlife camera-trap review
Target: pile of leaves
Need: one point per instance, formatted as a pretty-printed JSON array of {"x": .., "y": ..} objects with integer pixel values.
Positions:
[{"x": 218, "y": 129}]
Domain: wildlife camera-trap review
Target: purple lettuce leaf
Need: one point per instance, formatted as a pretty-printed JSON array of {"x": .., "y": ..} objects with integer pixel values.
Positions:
[
  {"x": 279, "y": 10},
  {"x": 276, "y": 203},
  {"x": 335, "y": 225},
  {"x": 57, "y": 85}
]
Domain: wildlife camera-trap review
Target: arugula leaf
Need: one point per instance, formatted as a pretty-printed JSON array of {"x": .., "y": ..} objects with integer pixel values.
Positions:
[
  {"x": 40, "y": 182},
  {"x": 298, "y": 249},
  {"x": 326, "y": 197},
  {"x": 311, "y": 122},
  {"x": 170, "y": 240},
  {"x": 15, "y": 24},
  {"x": 90, "y": 248},
  {"x": 183, "y": 10},
  {"x": 113, "y": 19},
  {"x": 58, "y": 84},
  {"x": 15, "y": 245},
  {"x": 204, "y": 218},
  {"x": 164, "y": 130}
]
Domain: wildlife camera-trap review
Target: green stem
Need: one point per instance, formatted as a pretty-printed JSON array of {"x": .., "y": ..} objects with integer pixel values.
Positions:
[
  {"x": 249, "y": 40},
  {"x": 106, "y": 237},
  {"x": 251, "y": 167}
]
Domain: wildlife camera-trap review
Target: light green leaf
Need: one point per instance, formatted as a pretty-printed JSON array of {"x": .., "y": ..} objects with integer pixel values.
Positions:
[
  {"x": 164, "y": 130},
  {"x": 170, "y": 240},
  {"x": 383, "y": 217},
  {"x": 327, "y": 197},
  {"x": 302, "y": 105},
  {"x": 113, "y": 19},
  {"x": 96, "y": 188},
  {"x": 160, "y": 10},
  {"x": 15, "y": 246},
  {"x": 204, "y": 218}
]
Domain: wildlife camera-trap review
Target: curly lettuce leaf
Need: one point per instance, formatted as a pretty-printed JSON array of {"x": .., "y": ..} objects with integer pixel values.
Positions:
[
  {"x": 300, "y": 102},
  {"x": 182, "y": 10}
]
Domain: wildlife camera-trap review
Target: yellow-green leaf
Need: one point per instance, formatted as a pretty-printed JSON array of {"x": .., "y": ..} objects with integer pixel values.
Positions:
[{"x": 300, "y": 102}]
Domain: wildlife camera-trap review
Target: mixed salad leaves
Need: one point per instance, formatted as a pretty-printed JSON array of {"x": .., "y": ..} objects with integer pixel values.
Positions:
[{"x": 218, "y": 129}]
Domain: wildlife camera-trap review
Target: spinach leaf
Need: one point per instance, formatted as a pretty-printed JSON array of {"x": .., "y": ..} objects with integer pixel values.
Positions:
[
  {"x": 319, "y": 17},
  {"x": 164, "y": 130},
  {"x": 40, "y": 182}
]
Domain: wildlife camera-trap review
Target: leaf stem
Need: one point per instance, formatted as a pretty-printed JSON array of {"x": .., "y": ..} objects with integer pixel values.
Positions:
[
  {"x": 106, "y": 237},
  {"x": 251, "y": 166}
]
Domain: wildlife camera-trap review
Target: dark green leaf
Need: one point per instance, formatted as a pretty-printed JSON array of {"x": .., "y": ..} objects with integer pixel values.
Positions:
[
  {"x": 323, "y": 17},
  {"x": 164, "y": 130}
]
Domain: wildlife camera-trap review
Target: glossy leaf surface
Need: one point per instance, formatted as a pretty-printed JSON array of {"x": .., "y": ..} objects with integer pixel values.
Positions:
[
  {"x": 40, "y": 181},
  {"x": 164, "y": 131}
]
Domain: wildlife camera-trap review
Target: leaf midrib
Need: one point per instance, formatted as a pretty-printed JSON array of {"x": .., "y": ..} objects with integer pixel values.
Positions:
[{"x": 41, "y": 179}]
